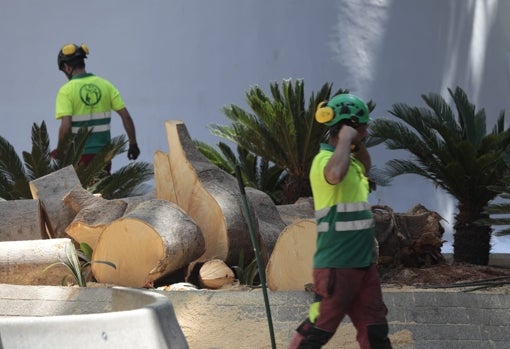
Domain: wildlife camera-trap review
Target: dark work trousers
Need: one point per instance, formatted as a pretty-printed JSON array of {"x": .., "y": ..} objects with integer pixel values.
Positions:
[
  {"x": 85, "y": 159},
  {"x": 353, "y": 292}
]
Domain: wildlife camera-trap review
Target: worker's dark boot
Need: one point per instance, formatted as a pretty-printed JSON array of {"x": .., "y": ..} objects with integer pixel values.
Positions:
[
  {"x": 314, "y": 338},
  {"x": 378, "y": 336}
]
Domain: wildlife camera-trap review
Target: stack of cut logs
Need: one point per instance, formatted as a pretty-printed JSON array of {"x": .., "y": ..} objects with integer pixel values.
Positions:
[{"x": 192, "y": 228}]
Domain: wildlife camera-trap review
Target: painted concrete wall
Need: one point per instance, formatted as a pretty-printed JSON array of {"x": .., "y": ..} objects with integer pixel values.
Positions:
[{"x": 179, "y": 59}]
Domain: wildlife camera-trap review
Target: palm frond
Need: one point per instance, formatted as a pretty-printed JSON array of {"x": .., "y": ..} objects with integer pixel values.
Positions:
[
  {"x": 125, "y": 182},
  {"x": 13, "y": 176},
  {"x": 38, "y": 162}
]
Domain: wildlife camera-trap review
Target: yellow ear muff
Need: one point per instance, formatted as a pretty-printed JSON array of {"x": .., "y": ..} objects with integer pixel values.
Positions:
[
  {"x": 85, "y": 48},
  {"x": 69, "y": 50},
  {"x": 324, "y": 113}
]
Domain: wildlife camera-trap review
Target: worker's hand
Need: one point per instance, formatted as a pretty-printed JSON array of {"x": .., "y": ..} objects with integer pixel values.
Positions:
[
  {"x": 348, "y": 133},
  {"x": 54, "y": 153},
  {"x": 133, "y": 151}
]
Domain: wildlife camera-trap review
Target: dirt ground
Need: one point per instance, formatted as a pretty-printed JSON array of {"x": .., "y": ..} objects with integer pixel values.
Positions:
[{"x": 457, "y": 277}]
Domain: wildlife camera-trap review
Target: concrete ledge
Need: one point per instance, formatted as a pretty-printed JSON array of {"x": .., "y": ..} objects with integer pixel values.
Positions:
[
  {"x": 82, "y": 318},
  {"x": 418, "y": 319}
]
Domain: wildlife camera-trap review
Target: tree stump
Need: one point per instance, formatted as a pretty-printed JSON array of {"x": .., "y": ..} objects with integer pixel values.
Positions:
[
  {"x": 153, "y": 240},
  {"x": 410, "y": 239}
]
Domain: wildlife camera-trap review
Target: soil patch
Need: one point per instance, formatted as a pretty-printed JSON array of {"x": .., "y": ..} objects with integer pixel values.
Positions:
[{"x": 465, "y": 277}]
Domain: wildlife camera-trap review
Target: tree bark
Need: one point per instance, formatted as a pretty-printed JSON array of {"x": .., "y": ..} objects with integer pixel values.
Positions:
[
  {"x": 23, "y": 262},
  {"x": 153, "y": 240},
  {"x": 409, "y": 239},
  {"x": 269, "y": 222},
  {"x": 50, "y": 190},
  {"x": 21, "y": 220},
  {"x": 301, "y": 209},
  {"x": 93, "y": 215}
]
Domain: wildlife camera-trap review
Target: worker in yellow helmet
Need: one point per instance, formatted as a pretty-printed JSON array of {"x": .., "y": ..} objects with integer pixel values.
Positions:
[{"x": 87, "y": 100}]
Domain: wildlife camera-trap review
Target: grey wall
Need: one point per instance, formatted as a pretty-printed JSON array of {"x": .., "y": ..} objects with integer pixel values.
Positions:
[{"x": 179, "y": 59}]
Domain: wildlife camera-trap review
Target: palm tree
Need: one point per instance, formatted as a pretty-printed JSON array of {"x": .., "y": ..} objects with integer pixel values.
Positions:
[
  {"x": 256, "y": 172},
  {"x": 16, "y": 174},
  {"x": 281, "y": 131},
  {"x": 499, "y": 212},
  {"x": 457, "y": 154}
]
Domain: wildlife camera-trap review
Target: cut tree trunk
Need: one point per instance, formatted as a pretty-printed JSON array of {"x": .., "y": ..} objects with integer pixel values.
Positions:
[
  {"x": 93, "y": 215},
  {"x": 153, "y": 240},
  {"x": 21, "y": 220},
  {"x": 133, "y": 201},
  {"x": 50, "y": 190},
  {"x": 291, "y": 263},
  {"x": 269, "y": 222},
  {"x": 301, "y": 209},
  {"x": 23, "y": 262},
  {"x": 207, "y": 194},
  {"x": 410, "y": 239},
  {"x": 163, "y": 177}
]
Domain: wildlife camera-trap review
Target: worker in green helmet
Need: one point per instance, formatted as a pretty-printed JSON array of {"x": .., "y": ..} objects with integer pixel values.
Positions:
[{"x": 345, "y": 276}]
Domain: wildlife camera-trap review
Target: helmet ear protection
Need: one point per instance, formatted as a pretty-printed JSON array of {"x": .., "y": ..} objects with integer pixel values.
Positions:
[
  {"x": 324, "y": 113},
  {"x": 71, "y": 49},
  {"x": 70, "y": 52},
  {"x": 347, "y": 108}
]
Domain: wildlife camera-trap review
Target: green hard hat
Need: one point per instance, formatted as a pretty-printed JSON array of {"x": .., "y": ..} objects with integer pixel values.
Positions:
[{"x": 342, "y": 107}]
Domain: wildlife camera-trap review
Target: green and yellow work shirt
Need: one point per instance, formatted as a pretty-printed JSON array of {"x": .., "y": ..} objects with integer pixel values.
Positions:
[
  {"x": 89, "y": 100},
  {"x": 345, "y": 225}
]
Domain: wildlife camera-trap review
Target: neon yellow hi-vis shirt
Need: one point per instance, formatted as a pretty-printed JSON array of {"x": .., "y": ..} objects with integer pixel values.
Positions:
[
  {"x": 89, "y": 100},
  {"x": 345, "y": 225}
]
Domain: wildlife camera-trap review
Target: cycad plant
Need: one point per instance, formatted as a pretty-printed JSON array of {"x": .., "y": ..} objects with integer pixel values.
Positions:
[
  {"x": 280, "y": 129},
  {"x": 499, "y": 212},
  {"x": 256, "y": 172},
  {"x": 15, "y": 173},
  {"x": 457, "y": 154}
]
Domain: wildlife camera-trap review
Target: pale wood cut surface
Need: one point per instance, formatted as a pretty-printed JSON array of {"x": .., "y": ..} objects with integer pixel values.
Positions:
[{"x": 290, "y": 265}]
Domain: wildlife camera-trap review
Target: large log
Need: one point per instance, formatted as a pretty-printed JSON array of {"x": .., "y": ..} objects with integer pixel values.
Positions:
[
  {"x": 290, "y": 265},
  {"x": 301, "y": 209},
  {"x": 269, "y": 221},
  {"x": 409, "y": 239},
  {"x": 24, "y": 262},
  {"x": 21, "y": 220},
  {"x": 163, "y": 177},
  {"x": 93, "y": 215},
  {"x": 50, "y": 190},
  {"x": 207, "y": 194},
  {"x": 153, "y": 240}
]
